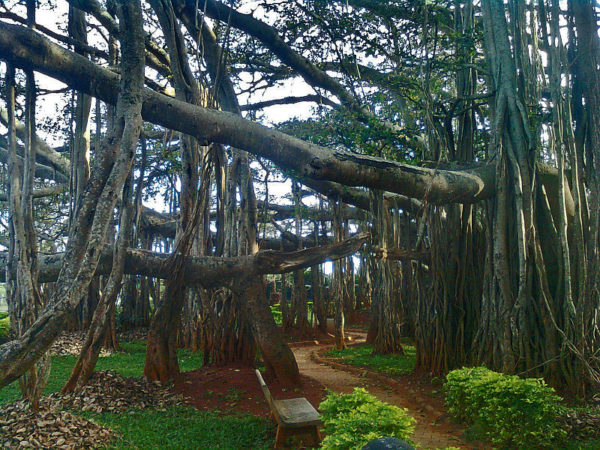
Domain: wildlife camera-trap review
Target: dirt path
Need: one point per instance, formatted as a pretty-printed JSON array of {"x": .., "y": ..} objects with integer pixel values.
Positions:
[{"x": 428, "y": 435}]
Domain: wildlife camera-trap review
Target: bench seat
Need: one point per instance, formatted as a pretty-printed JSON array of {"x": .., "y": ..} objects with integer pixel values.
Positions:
[
  {"x": 293, "y": 416},
  {"x": 296, "y": 412}
]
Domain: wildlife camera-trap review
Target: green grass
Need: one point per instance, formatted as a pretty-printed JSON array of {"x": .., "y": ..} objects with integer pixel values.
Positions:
[
  {"x": 362, "y": 355},
  {"x": 177, "y": 426},
  {"x": 129, "y": 363},
  {"x": 186, "y": 427}
]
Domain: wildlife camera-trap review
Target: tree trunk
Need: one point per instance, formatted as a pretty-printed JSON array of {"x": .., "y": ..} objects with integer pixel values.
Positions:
[
  {"x": 83, "y": 249},
  {"x": 318, "y": 298},
  {"x": 278, "y": 358},
  {"x": 385, "y": 309},
  {"x": 338, "y": 285}
]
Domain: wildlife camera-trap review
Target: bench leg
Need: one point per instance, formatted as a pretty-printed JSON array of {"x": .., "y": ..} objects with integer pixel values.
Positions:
[
  {"x": 315, "y": 436},
  {"x": 281, "y": 437}
]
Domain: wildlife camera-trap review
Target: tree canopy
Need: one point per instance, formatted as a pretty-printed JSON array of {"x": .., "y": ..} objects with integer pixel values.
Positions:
[{"x": 141, "y": 141}]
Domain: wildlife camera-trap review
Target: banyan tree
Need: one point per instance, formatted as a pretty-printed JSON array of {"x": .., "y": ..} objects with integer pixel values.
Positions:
[{"x": 447, "y": 163}]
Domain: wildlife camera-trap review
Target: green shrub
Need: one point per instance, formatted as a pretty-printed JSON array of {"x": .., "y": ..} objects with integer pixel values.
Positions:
[
  {"x": 352, "y": 420},
  {"x": 507, "y": 410},
  {"x": 4, "y": 325}
]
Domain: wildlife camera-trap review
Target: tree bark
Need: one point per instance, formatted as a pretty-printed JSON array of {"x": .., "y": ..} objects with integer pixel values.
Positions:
[
  {"x": 96, "y": 206},
  {"x": 279, "y": 359},
  {"x": 100, "y": 327}
]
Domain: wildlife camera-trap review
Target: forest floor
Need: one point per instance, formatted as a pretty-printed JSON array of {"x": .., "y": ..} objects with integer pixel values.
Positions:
[
  {"x": 432, "y": 430},
  {"x": 224, "y": 405}
]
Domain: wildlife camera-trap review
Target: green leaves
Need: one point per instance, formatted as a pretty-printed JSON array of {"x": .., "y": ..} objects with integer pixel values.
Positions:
[
  {"x": 505, "y": 409},
  {"x": 352, "y": 420}
]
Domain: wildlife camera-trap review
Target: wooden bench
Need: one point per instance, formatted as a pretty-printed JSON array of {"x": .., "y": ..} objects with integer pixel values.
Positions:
[{"x": 293, "y": 416}]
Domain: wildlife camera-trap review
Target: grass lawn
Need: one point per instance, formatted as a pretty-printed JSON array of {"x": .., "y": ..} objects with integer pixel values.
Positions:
[
  {"x": 186, "y": 427},
  {"x": 129, "y": 363},
  {"x": 362, "y": 355},
  {"x": 175, "y": 427}
]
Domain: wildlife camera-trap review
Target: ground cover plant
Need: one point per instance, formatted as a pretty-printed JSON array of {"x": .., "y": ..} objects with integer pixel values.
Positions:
[
  {"x": 506, "y": 410},
  {"x": 363, "y": 356},
  {"x": 128, "y": 363},
  {"x": 184, "y": 427},
  {"x": 177, "y": 426},
  {"x": 352, "y": 420}
]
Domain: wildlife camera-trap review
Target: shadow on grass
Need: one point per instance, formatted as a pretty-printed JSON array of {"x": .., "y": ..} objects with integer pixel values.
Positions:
[{"x": 362, "y": 355}]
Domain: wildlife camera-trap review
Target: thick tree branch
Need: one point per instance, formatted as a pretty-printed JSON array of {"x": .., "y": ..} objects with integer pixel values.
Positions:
[
  {"x": 289, "y": 101},
  {"x": 270, "y": 38},
  {"x": 28, "y": 49},
  {"x": 156, "y": 57},
  {"x": 46, "y": 153},
  {"x": 207, "y": 271},
  {"x": 41, "y": 171},
  {"x": 399, "y": 254},
  {"x": 39, "y": 193}
]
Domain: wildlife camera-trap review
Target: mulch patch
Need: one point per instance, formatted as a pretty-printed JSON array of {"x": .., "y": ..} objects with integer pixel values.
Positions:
[
  {"x": 21, "y": 427},
  {"x": 234, "y": 389},
  {"x": 582, "y": 425},
  {"x": 69, "y": 343},
  {"x": 53, "y": 426},
  {"x": 110, "y": 391}
]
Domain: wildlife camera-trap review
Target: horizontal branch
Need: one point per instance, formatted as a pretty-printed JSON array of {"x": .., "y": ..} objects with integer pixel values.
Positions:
[
  {"x": 27, "y": 49},
  {"x": 165, "y": 226},
  {"x": 289, "y": 101},
  {"x": 283, "y": 212},
  {"x": 41, "y": 170},
  {"x": 206, "y": 271},
  {"x": 398, "y": 254},
  {"x": 39, "y": 193},
  {"x": 46, "y": 153}
]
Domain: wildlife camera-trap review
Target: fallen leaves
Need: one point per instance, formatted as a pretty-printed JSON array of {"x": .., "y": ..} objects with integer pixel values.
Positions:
[
  {"x": 109, "y": 391},
  {"x": 582, "y": 425},
  {"x": 70, "y": 343},
  {"x": 53, "y": 426},
  {"x": 21, "y": 427}
]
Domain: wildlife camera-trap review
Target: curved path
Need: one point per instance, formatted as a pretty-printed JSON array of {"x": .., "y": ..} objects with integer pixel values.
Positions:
[{"x": 428, "y": 434}]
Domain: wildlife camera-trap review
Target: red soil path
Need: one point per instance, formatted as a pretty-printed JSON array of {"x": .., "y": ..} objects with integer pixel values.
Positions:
[
  {"x": 431, "y": 432},
  {"x": 235, "y": 389}
]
